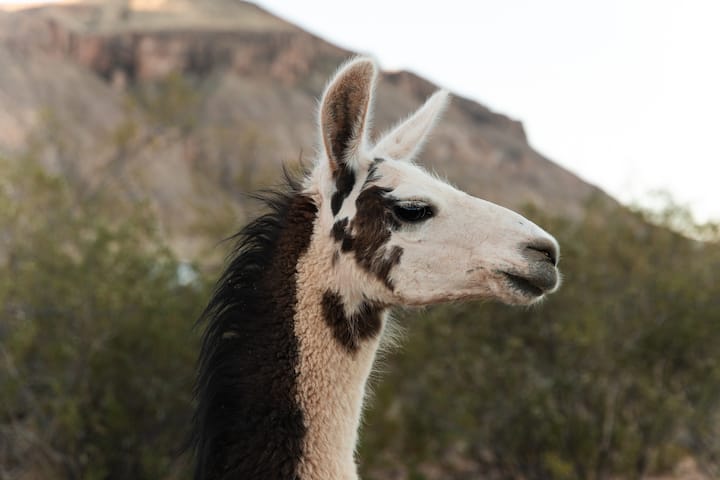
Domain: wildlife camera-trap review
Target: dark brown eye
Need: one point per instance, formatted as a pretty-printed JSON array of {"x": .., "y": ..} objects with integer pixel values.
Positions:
[{"x": 412, "y": 212}]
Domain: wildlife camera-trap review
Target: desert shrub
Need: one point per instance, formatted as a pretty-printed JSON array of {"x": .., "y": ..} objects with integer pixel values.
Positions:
[{"x": 96, "y": 346}]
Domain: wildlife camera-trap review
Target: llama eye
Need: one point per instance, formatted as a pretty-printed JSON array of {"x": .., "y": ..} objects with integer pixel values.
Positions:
[{"x": 412, "y": 212}]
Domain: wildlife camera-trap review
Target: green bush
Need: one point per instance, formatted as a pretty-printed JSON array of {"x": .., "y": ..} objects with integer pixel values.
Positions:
[{"x": 96, "y": 348}]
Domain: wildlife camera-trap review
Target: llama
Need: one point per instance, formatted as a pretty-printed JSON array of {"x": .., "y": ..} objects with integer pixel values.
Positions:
[{"x": 294, "y": 324}]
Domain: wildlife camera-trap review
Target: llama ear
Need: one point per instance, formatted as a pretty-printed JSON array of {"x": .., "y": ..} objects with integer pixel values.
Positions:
[
  {"x": 345, "y": 112},
  {"x": 406, "y": 139}
]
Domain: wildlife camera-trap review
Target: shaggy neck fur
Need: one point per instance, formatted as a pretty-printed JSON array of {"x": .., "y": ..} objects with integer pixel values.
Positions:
[{"x": 283, "y": 367}]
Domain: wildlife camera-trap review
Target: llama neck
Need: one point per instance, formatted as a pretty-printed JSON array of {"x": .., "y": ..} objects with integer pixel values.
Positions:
[
  {"x": 335, "y": 358},
  {"x": 282, "y": 369}
]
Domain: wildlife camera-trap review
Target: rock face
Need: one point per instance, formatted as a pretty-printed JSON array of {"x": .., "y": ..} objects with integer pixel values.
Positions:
[
  {"x": 255, "y": 80},
  {"x": 148, "y": 43}
]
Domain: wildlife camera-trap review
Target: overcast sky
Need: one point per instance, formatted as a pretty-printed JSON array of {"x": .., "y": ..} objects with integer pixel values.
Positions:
[{"x": 625, "y": 93}]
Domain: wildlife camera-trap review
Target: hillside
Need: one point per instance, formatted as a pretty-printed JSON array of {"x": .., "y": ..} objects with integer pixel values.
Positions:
[{"x": 248, "y": 84}]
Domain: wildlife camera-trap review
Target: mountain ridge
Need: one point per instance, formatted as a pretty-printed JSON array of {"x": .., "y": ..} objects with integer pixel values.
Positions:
[{"x": 256, "y": 77}]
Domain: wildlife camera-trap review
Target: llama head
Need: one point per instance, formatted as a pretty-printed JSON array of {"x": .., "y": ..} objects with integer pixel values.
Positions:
[{"x": 397, "y": 235}]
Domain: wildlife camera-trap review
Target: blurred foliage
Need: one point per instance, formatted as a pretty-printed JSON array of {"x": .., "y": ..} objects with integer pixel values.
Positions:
[
  {"x": 172, "y": 102},
  {"x": 659, "y": 207},
  {"x": 617, "y": 374},
  {"x": 96, "y": 349}
]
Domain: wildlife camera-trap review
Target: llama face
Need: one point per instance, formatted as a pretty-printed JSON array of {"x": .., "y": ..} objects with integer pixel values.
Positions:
[
  {"x": 451, "y": 245},
  {"x": 396, "y": 234}
]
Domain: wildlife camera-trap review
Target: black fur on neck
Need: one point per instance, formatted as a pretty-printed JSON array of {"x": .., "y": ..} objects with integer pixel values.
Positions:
[{"x": 248, "y": 423}]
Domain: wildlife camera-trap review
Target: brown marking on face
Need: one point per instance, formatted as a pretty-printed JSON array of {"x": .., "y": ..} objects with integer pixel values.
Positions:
[
  {"x": 372, "y": 227},
  {"x": 338, "y": 230},
  {"x": 351, "y": 331},
  {"x": 372, "y": 175},
  {"x": 369, "y": 231},
  {"x": 344, "y": 183}
]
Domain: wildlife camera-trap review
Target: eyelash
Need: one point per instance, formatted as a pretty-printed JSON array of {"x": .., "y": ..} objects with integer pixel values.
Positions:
[{"x": 412, "y": 212}]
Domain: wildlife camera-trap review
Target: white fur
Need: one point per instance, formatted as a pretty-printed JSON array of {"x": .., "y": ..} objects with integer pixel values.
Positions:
[
  {"x": 407, "y": 138},
  {"x": 331, "y": 382}
]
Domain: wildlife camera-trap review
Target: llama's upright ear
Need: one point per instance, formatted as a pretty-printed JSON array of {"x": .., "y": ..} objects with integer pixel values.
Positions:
[
  {"x": 345, "y": 112},
  {"x": 406, "y": 139}
]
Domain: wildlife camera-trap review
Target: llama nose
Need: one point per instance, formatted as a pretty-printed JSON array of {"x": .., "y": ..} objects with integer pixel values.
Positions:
[{"x": 543, "y": 250}]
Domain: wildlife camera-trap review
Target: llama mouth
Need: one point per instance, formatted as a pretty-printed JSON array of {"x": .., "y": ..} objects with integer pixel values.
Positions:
[{"x": 523, "y": 285}]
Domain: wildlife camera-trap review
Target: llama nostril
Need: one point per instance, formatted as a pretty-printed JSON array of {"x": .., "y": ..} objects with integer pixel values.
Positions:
[{"x": 548, "y": 249}]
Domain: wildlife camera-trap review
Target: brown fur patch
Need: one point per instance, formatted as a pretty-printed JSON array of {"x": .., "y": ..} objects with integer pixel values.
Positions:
[
  {"x": 372, "y": 227},
  {"x": 338, "y": 230},
  {"x": 351, "y": 331},
  {"x": 344, "y": 183},
  {"x": 372, "y": 175}
]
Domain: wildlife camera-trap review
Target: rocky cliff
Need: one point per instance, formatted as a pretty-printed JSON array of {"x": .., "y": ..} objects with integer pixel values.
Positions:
[{"x": 240, "y": 89}]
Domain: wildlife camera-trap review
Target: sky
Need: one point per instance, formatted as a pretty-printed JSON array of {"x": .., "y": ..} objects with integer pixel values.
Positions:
[{"x": 624, "y": 93}]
